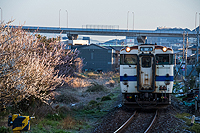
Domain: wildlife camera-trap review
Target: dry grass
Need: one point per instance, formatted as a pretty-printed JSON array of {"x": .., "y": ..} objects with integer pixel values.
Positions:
[
  {"x": 110, "y": 83},
  {"x": 76, "y": 82},
  {"x": 70, "y": 123}
]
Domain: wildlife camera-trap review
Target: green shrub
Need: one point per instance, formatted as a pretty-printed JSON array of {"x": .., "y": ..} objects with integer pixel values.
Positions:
[
  {"x": 184, "y": 116},
  {"x": 4, "y": 130},
  {"x": 95, "y": 87},
  {"x": 105, "y": 98},
  {"x": 92, "y": 102},
  {"x": 66, "y": 98},
  {"x": 55, "y": 117}
]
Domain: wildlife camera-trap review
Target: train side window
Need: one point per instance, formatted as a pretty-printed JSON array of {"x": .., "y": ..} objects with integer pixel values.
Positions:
[
  {"x": 128, "y": 59},
  {"x": 146, "y": 61},
  {"x": 164, "y": 59}
]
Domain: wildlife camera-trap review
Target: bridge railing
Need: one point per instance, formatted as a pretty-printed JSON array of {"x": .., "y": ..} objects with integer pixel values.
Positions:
[{"x": 101, "y": 26}]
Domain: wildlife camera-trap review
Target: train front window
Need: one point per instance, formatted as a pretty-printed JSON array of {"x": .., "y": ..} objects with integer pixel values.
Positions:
[
  {"x": 164, "y": 59},
  {"x": 146, "y": 61},
  {"x": 128, "y": 59}
]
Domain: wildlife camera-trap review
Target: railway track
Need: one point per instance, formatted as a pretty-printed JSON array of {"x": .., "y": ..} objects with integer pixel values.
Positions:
[{"x": 140, "y": 122}]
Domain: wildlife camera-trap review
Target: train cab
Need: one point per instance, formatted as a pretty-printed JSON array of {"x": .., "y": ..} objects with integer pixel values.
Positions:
[{"x": 146, "y": 75}]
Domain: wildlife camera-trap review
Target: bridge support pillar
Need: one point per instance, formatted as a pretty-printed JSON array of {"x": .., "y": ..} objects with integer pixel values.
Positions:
[
  {"x": 141, "y": 39},
  {"x": 72, "y": 36}
]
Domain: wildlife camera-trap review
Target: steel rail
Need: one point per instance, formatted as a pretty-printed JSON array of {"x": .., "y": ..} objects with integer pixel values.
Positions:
[
  {"x": 125, "y": 124},
  {"x": 152, "y": 122}
]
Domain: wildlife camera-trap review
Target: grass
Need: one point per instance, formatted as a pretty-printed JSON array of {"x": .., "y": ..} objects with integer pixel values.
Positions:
[
  {"x": 4, "y": 129},
  {"x": 184, "y": 116},
  {"x": 77, "y": 119},
  {"x": 66, "y": 119},
  {"x": 95, "y": 87},
  {"x": 66, "y": 98},
  {"x": 105, "y": 98},
  {"x": 52, "y": 125},
  {"x": 92, "y": 75}
]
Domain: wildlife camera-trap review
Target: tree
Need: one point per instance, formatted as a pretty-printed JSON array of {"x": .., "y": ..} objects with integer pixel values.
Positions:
[{"x": 29, "y": 67}]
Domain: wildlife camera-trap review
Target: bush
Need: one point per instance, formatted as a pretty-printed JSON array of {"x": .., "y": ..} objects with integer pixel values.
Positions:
[
  {"x": 4, "y": 130},
  {"x": 105, "y": 98},
  {"x": 66, "y": 98},
  {"x": 92, "y": 102},
  {"x": 55, "y": 117},
  {"x": 95, "y": 87}
]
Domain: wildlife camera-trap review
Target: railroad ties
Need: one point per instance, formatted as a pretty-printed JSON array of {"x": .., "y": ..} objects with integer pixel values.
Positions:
[{"x": 138, "y": 122}]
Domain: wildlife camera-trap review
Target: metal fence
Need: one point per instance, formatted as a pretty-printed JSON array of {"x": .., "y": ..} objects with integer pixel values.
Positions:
[{"x": 100, "y": 26}]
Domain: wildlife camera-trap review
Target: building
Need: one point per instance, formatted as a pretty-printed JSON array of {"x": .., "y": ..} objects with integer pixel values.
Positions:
[{"x": 98, "y": 58}]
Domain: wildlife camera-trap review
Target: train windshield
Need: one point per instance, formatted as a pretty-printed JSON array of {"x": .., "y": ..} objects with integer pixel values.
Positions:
[
  {"x": 164, "y": 59},
  {"x": 128, "y": 59},
  {"x": 146, "y": 61}
]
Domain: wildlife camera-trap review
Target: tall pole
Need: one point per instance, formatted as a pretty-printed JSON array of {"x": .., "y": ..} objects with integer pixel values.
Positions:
[
  {"x": 198, "y": 53},
  {"x": 59, "y": 18},
  {"x": 195, "y": 21},
  {"x": 67, "y": 18},
  {"x": 199, "y": 21},
  {"x": 198, "y": 41},
  {"x": 127, "y": 19},
  {"x": 133, "y": 20},
  {"x": 183, "y": 53},
  {"x": 183, "y": 45},
  {"x": 1, "y": 16},
  {"x": 186, "y": 49}
]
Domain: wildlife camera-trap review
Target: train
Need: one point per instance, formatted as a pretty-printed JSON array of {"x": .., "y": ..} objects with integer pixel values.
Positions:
[{"x": 146, "y": 75}]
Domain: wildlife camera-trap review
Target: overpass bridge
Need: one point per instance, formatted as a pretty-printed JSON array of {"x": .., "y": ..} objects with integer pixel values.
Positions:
[{"x": 107, "y": 32}]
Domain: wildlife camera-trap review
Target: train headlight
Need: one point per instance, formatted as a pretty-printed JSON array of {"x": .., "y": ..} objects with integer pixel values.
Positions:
[
  {"x": 128, "y": 49},
  {"x": 164, "y": 49}
]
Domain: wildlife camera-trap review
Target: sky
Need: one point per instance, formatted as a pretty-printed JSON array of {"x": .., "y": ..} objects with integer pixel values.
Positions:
[{"x": 148, "y": 14}]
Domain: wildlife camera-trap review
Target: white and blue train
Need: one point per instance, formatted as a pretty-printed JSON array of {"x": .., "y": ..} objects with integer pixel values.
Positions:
[{"x": 146, "y": 75}]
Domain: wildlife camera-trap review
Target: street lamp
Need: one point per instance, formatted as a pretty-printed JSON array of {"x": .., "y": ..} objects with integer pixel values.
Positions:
[
  {"x": 199, "y": 21},
  {"x": 198, "y": 41},
  {"x": 59, "y": 18},
  {"x": 127, "y": 19},
  {"x": 133, "y": 20},
  {"x": 195, "y": 21},
  {"x": 1, "y": 16},
  {"x": 67, "y": 18}
]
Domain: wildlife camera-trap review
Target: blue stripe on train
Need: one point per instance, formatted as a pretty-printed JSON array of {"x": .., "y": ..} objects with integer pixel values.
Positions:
[
  {"x": 158, "y": 78},
  {"x": 128, "y": 78},
  {"x": 164, "y": 78}
]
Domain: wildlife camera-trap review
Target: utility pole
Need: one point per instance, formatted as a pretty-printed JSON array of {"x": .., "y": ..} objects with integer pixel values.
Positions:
[
  {"x": 186, "y": 56},
  {"x": 1, "y": 16},
  {"x": 197, "y": 52},
  {"x": 183, "y": 52}
]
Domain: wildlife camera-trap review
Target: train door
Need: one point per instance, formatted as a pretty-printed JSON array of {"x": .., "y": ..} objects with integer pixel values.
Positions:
[{"x": 146, "y": 73}]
